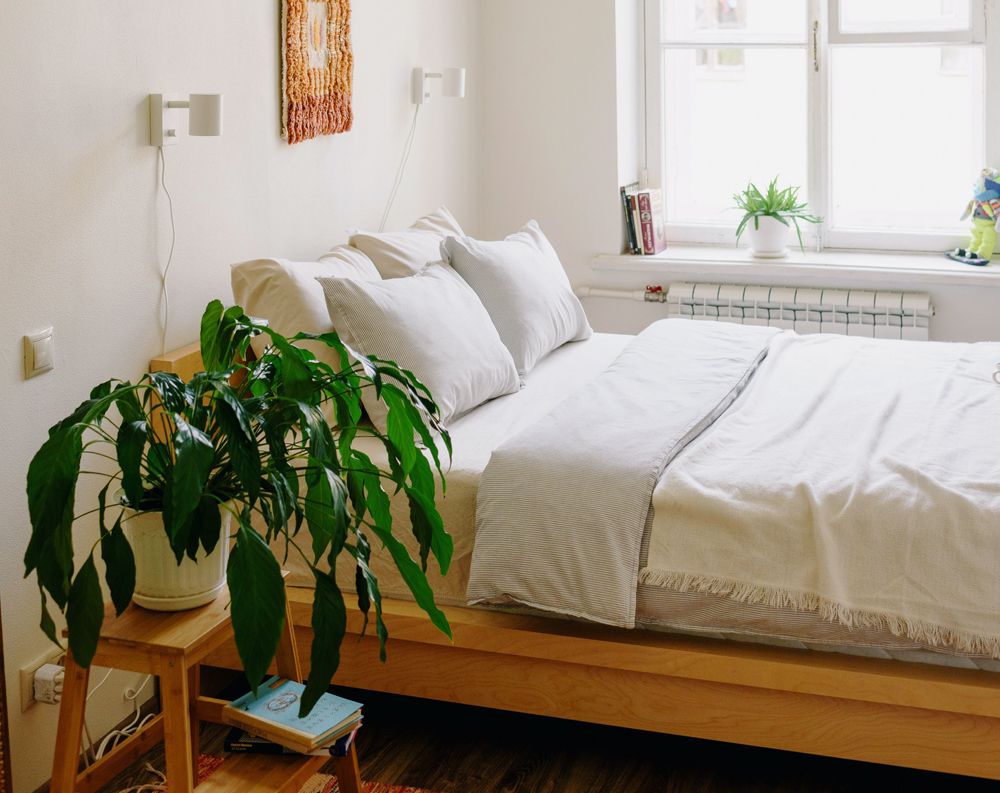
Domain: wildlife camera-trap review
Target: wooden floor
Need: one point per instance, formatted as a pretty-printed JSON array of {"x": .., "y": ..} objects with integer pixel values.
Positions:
[{"x": 459, "y": 749}]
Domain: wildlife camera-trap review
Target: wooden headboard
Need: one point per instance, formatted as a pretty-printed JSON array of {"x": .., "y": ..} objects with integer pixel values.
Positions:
[{"x": 184, "y": 362}]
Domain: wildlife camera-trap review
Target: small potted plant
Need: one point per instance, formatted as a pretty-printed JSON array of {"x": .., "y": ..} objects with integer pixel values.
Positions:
[
  {"x": 185, "y": 461},
  {"x": 766, "y": 216}
]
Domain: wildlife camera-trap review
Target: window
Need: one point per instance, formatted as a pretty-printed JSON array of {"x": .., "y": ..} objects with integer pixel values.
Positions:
[{"x": 879, "y": 109}]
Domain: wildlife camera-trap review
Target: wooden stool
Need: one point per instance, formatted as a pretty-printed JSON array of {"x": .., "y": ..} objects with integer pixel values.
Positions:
[{"x": 172, "y": 645}]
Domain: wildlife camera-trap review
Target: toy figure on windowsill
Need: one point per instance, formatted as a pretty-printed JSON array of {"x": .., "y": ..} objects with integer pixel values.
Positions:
[{"x": 985, "y": 211}]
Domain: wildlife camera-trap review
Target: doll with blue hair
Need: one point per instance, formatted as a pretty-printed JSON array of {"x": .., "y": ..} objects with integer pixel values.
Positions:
[{"x": 984, "y": 209}]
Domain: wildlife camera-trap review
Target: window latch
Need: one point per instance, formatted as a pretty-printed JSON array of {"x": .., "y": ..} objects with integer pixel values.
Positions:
[{"x": 816, "y": 46}]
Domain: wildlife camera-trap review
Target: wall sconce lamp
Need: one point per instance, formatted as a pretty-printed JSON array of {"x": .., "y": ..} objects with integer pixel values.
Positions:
[
  {"x": 452, "y": 84},
  {"x": 204, "y": 116}
]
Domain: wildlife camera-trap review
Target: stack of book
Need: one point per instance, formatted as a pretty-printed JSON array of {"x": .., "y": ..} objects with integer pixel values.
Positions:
[
  {"x": 269, "y": 723},
  {"x": 643, "y": 219}
]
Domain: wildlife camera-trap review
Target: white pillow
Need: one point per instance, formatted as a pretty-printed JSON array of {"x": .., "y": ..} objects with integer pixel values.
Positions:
[
  {"x": 431, "y": 324},
  {"x": 399, "y": 254},
  {"x": 287, "y": 295},
  {"x": 523, "y": 286}
]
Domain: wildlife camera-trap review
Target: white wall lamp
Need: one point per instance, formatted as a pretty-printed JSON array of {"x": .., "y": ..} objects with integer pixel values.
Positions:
[
  {"x": 452, "y": 84},
  {"x": 204, "y": 119}
]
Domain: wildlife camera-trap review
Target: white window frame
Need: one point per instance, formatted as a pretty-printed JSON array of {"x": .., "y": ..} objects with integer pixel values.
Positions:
[{"x": 823, "y": 34}]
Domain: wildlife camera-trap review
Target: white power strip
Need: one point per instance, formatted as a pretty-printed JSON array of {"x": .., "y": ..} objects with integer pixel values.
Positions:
[{"x": 49, "y": 684}]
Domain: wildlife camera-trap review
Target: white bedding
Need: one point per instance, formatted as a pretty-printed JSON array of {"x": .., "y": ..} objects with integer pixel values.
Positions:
[
  {"x": 857, "y": 478},
  {"x": 562, "y": 507},
  {"x": 474, "y": 437}
]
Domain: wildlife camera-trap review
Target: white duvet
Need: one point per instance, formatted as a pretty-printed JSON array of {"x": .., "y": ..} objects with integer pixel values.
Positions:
[{"x": 859, "y": 478}]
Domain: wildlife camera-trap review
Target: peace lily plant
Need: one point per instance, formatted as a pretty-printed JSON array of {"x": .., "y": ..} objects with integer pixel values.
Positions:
[{"x": 247, "y": 438}]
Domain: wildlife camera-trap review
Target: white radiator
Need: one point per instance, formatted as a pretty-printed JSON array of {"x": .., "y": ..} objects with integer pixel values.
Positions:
[{"x": 848, "y": 312}]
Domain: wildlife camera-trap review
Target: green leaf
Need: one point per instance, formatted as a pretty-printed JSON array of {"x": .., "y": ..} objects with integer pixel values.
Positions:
[
  {"x": 284, "y": 494},
  {"x": 244, "y": 452},
  {"x": 128, "y": 403},
  {"x": 131, "y": 444},
  {"x": 206, "y": 526},
  {"x": 428, "y": 527},
  {"x": 210, "y": 330},
  {"x": 85, "y": 613},
  {"x": 316, "y": 430},
  {"x": 119, "y": 565},
  {"x": 415, "y": 580},
  {"x": 47, "y": 625},
  {"x": 363, "y": 555},
  {"x": 295, "y": 381},
  {"x": 400, "y": 429},
  {"x": 258, "y": 602},
  {"x": 326, "y": 509},
  {"x": 52, "y": 476},
  {"x": 329, "y": 624},
  {"x": 171, "y": 391},
  {"x": 193, "y": 455},
  {"x": 55, "y": 563}
]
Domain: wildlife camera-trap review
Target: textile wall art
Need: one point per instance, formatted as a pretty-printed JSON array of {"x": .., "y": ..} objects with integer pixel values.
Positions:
[{"x": 317, "y": 67}]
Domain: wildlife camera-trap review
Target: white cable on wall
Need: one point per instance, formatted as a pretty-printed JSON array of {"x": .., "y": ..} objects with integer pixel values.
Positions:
[
  {"x": 170, "y": 256},
  {"x": 402, "y": 167}
]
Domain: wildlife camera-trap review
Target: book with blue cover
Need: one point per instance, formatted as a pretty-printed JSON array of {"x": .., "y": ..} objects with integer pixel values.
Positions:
[{"x": 273, "y": 714}]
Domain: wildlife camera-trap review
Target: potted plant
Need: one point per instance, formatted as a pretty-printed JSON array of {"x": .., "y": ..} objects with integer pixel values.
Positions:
[
  {"x": 770, "y": 213},
  {"x": 240, "y": 438}
]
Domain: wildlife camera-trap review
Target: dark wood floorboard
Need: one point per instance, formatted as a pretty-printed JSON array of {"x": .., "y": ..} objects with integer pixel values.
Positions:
[{"x": 460, "y": 749}]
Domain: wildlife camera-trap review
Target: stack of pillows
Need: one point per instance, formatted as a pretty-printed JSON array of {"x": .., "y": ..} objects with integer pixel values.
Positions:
[{"x": 470, "y": 319}]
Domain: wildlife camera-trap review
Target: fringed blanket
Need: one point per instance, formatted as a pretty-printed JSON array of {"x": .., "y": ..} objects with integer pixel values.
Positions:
[
  {"x": 857, "y": 478},
  {"x": 561, "y": 507},
  {"x": 317, "y": 68}
]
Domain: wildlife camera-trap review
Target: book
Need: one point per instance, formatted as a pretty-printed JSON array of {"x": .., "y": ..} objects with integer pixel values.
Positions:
[
  {"x": 651, "y": 219},
  {"x": 636, "y": 222},
  {"x": 242, "y": 742},
  {"x": 630, "y": 235},
  {"x": 273, "y": 714}
]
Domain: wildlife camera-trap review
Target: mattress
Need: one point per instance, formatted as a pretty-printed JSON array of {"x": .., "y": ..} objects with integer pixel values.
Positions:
[{"x": 474, "y": 437}]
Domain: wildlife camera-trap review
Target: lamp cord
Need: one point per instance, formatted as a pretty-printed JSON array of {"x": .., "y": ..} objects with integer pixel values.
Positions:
[
  {"x": 170, "y": 256},
  {"x": 402, "y": 167}
]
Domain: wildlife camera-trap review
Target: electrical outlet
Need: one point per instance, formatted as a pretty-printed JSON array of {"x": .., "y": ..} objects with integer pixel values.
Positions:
[{"x": 28, "y": 675}]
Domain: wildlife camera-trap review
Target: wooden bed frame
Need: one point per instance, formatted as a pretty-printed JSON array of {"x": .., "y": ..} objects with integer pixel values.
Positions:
[{"x": 894, "y": 712}]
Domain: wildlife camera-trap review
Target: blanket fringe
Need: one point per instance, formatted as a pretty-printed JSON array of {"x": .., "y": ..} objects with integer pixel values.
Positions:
[{"x": 926, "y": 633}]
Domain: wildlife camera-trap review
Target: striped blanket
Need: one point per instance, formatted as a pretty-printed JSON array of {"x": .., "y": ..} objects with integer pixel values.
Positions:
[{"x": 561, "y": 506}]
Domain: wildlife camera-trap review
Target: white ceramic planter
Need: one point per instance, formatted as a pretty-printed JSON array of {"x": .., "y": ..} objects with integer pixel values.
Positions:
[
  {"x": 769, "y": 239},
  {"x": 163, "y": 585}
]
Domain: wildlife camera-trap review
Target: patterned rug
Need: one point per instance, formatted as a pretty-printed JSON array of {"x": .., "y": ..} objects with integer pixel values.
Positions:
[{"x": 324, "y": 783}]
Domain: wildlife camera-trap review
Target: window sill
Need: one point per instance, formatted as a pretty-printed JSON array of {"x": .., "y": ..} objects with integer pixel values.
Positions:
[{"x": 883, "y": 266}]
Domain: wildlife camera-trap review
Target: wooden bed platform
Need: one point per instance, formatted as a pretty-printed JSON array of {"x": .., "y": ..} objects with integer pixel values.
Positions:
[{"x": 893, "y": 712}]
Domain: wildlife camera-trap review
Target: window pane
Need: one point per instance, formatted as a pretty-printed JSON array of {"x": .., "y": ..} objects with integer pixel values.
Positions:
[
  {"x": 881, "y": 16},
  {"x": 907, "y": 135},
  {"x": 744, "y": 20},
  {"x": 731, "y": 116}
]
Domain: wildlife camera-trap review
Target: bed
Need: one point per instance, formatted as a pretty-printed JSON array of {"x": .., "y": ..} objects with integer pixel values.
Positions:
[
  {"x": 631, "y": 525},
  {"x": 734, "y": 674}
]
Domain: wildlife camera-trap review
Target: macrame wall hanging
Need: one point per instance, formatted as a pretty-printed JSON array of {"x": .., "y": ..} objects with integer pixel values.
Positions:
[{"x": 317, "y": 68}]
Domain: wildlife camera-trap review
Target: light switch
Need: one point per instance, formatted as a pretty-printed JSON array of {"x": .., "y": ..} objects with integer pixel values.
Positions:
[{"x": 39, "y": 353}]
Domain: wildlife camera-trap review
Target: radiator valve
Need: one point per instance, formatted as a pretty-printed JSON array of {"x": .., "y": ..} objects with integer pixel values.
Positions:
[{"x": 49, "y": 684}]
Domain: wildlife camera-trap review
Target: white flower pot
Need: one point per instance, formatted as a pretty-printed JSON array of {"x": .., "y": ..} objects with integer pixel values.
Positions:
[
  {"x": 768, "y": 237},
  {"x": 160, "y": 583}
]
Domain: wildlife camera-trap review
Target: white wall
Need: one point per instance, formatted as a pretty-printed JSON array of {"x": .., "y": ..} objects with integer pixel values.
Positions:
[
  {"x": 559, "y": 137},
  {"x": 549, "y": 127},
  {"x": 84, "y": 229}
]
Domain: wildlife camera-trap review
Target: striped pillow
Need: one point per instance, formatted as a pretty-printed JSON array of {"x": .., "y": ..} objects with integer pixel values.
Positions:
[
  {"x": 431, "y": 324},
  {"x": 522, "y": 283}
]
